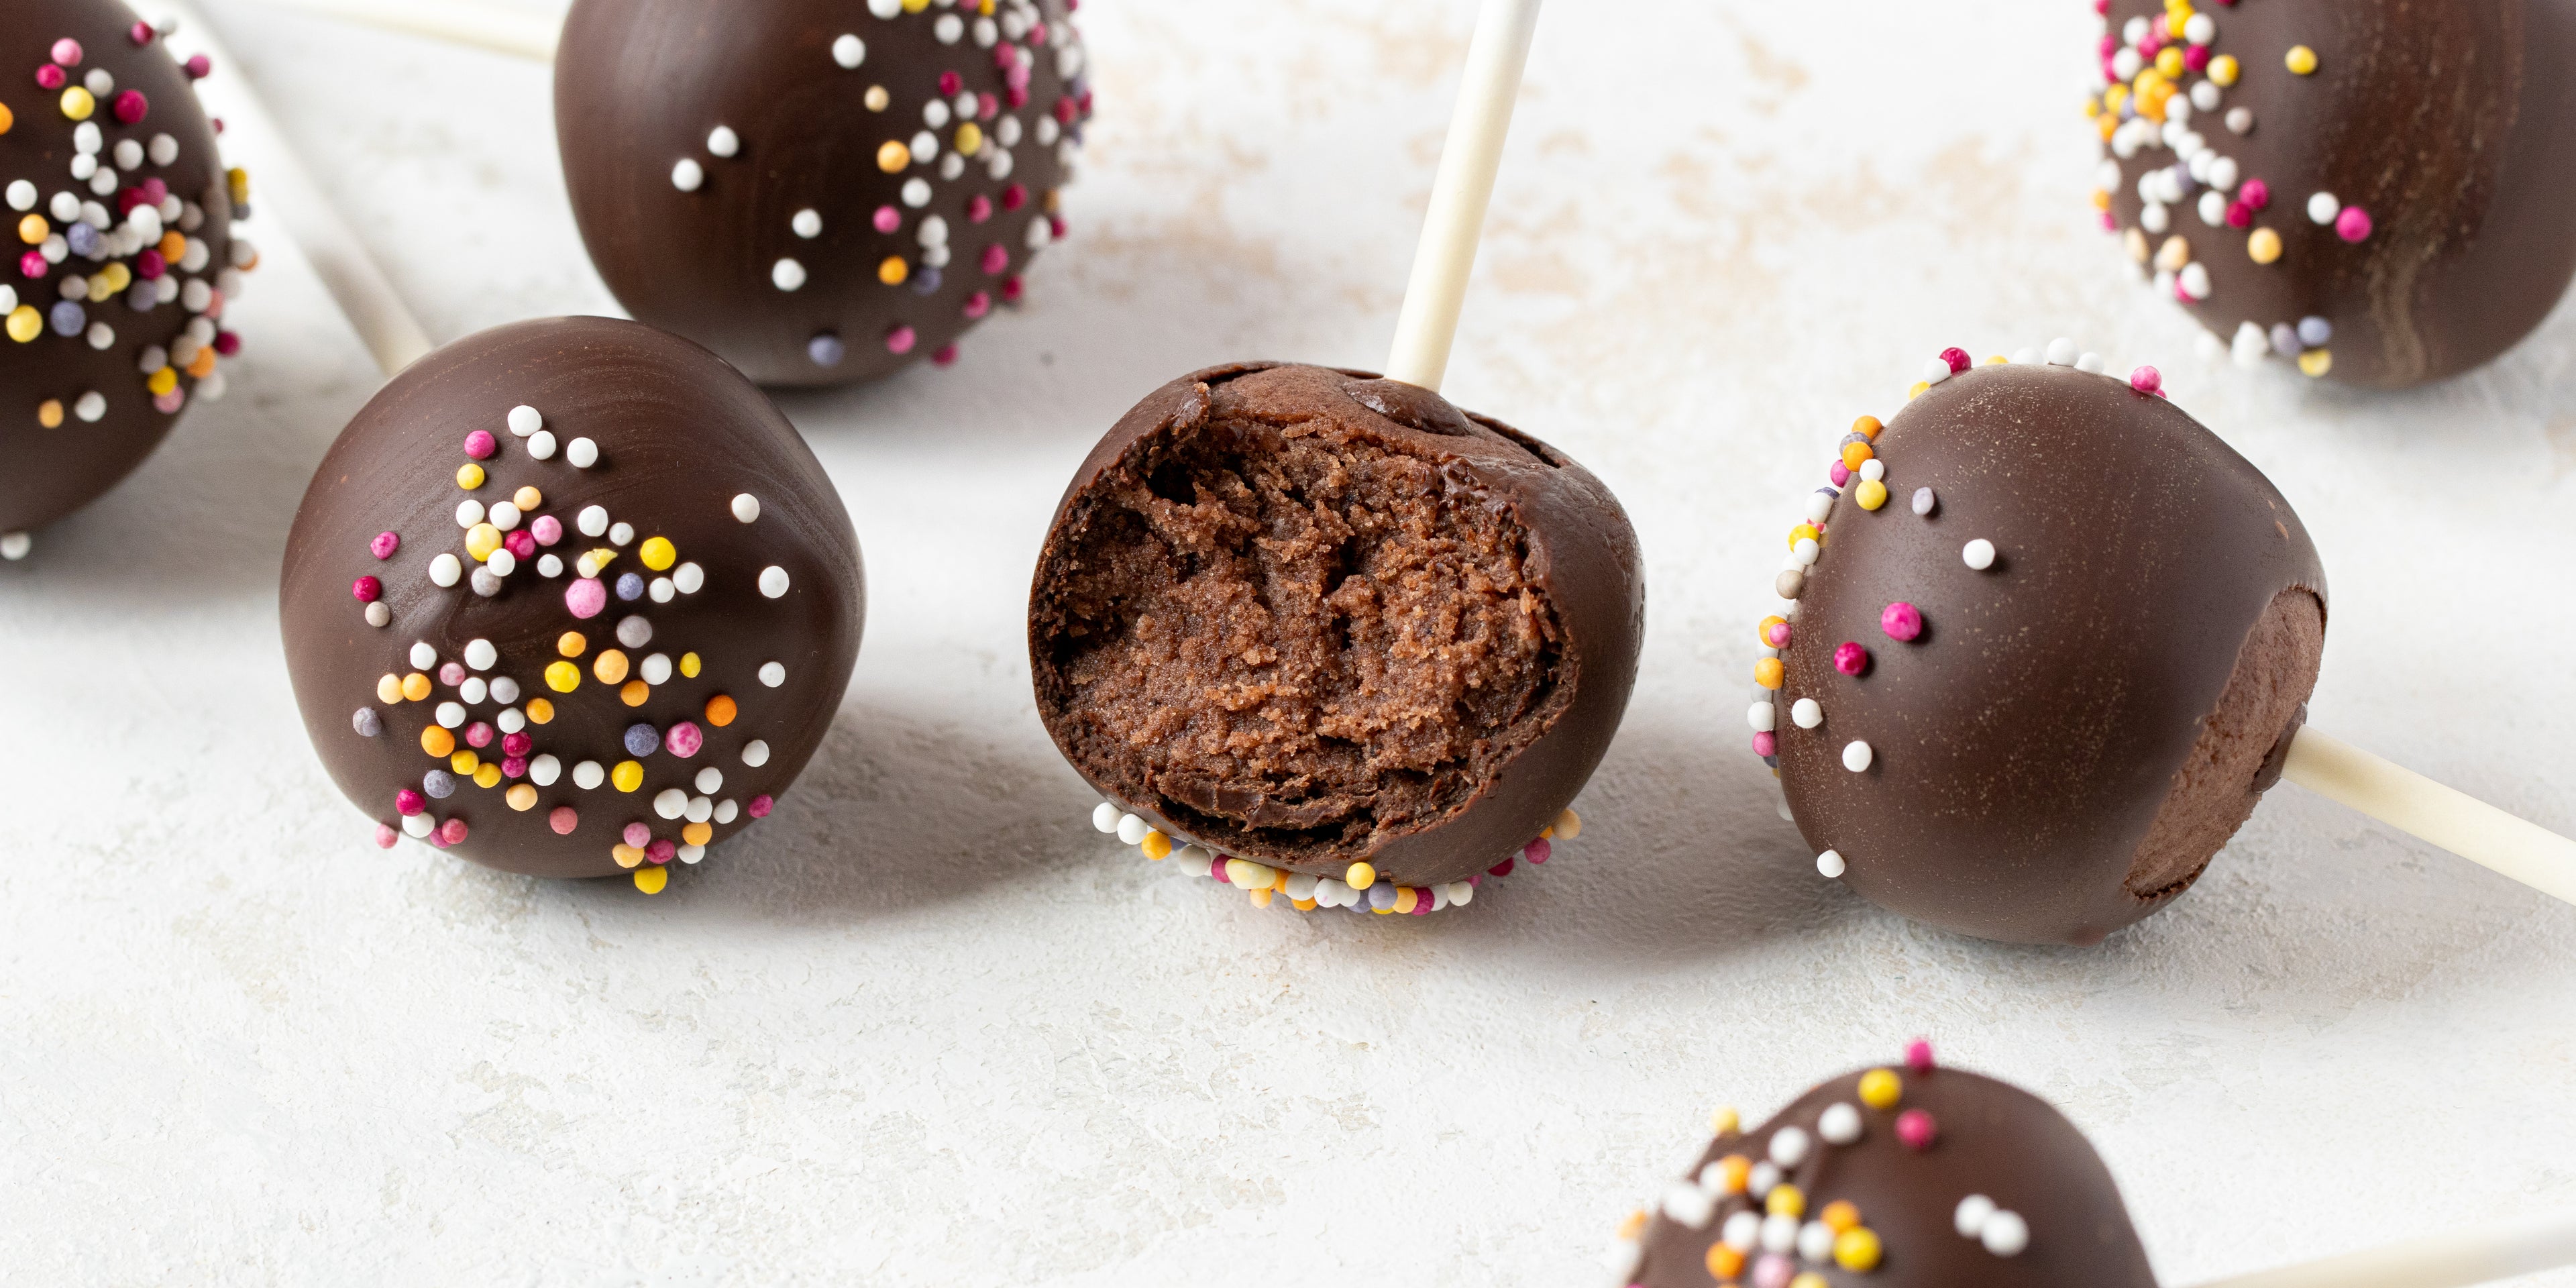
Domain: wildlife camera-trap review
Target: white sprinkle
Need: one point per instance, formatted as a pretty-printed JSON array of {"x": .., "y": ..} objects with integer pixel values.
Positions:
[
  {"x": 746, "y": 507},
  {"x": 416, "y": 826},
  {"x": 505, "y": 689},
  {"x": 163, "y": 149},
  {"x": 723, "y": 141},
  {"x": 2240, "y": 120},
  {"x": 1132, "y": 830},
  {"x": 1764, "y": 1177},
  {"x": 1041, "y": 232},
  {"x": 948, "y": 29},
  {"x": 1742, "y": 1231},
  {"x": 755, "y": 753},
  {"x": 450, "y": 714},
  {"x": 1689, "y": 1205},
  {"x": 486, "y": 582},
  {"x": 1970, "y": 1217},
  {"x": 710, "y": 779},
  {"x": 2061, "y": 352},
  {"x": 1789, "y": 1146},
  {"x": 2195, "y": 279},
  {"x": 583, "y": 453},
  {"x": 446, "y": 570},
  {"x": 787, "y": 275},
  {"x": 91, "y": 407},
  {"x": 377, "y": 613},
  {"x": 1935, "y": 371},
  {"x": 773, "y": 674},
  {"x": 773, "y": 581},
  {"x": 504, "y": 515},
  {"x": 2322, "y": 208},
  {"x": 935, "y": 113},
  {"x": 2223, "y": 171},
  {"x": 1820, "y": 505},
  {"x": 849, "y": 51},
  {"x": 1806, "y": 714},
  {"x": 2005, "y": 1234},
  {"x": 670, "y": 802},
  {"x": 807, "y": 223},
  {"x": 687, "y": 174},
  {"x": 542, "y": 445},
  {"x": 933, "y": 231},
  {"x": 656, "y": 669},
  {"x": 885, "y": 8},
  {"x": 1780, "y": 1233},
  {"x": 1839, "y": 1124},
  {"x": 2092, "y": 362},
  {"x": 2213, "y": 208},
  {"x": 1978, "y": 554},
  {"x": 634, "y": 631},
  {"x": 2200, "y": 29},
  {"x": 691, "y": 853},
  {"x": 700, "y": 809},
  {"x": 588, "y": 774},
  {"x": 1873, "y": 470},
  {"x": 474, "y": 690},
  {"x": 1830, "y": 863},
  {"x": 925, "y": 148},
  {"x": 480, "y": 654},
  {"x": 916, "y": 192},
  {"x": 511, "y": 719},
  {"x": 620, "y": 533},
  {"x": 544, "y": 770},
  {"x": 1104, "y": 817},
  {"x": 1856, "y": 756},
  {"x": 688, "y": 578},
  {"x": 1763, "y": 716},
  {"x": 660, "y": 590},
  {"x": 423, "y": 656},
  {"x": 1924, "y": 500},
  {"x": 22, "y": 195},
  {"x": 592, "y": 520},
  {"x": 1816, "y": 1239},
  {"x": 549, "y": 565},
  {"x": 524, "y": 420}
]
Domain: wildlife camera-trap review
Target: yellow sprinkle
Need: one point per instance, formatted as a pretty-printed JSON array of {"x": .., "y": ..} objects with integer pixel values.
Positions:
[
  {"x": 1725, "y": 1121},
  {"x": 1568, "y": 825},
  {"x": 635, "y": 693},
  {"x": 1785, "y": 1200},
  {"x": 469, "y": 476},
  {"x": 1156, "y": 846},
  {"x": 415, "y": 686},
  {"x": 489, "y": 776},
  {"x": 651, "y": 880},
  {"x": 33, "y": 230},
  {"x": 117, "y": 277},
  {"x": 970, "y": 138},
  {"x": 2222, "y": 69},
  {"x": 571, "y": 644},
  {"x": 627, "y": 856},
  {"x": 77, "y": 103},
  {"x": 2174, "y": 254},
  {"x": 689, "y": 665},
  {"x": 627, "y": 776},
  {"x": 1809, "y": 1279},
  {"x": 237, "y": 182},
  {"x": 541, "y": 711},
  {"x": 2316, "y": 362},
  {"x": 1768, "y": 672},
  {"x": 527, "y": 499},
  {"x": 437, "y": 742},
  {"x": 49, "y": 413},
  {"x": 1856, "y": 1249},
  {"x": 2302, "y": 60},
  {"x": 7, "y": 118},
  {"x": 562, "y": 677},
  {"x": 698, "y": 833},
  {"x": 1881, "y": 1088},
  {"x": 876, "y": 100},
  {"x": 2263, "y": 245},
  {"x": 657, "y": 553},
  {"x": 522, "y": 797},
  {"x": 2169, "y": 61},
  {"x": 482, "y": 539},
  {"x": 25, "y": 323},
  {"x": 160, "y": 382},
  {"x": 892, "y": 270},
  {"x": 464, "y": 761},
  {"x": 610, "y": 666},
  {"x": 915, "y": 6},
  {"x": 389, "y": 689},
  {"x": 893, "y": 155},
  {"x": 1407, "y": 898},
  {"x": 1917, "y": 390},
  {"x": 1633, "y": 1225},
  {"x": 1871, "y": 494},
  {"x": 1360, "y": 876}
]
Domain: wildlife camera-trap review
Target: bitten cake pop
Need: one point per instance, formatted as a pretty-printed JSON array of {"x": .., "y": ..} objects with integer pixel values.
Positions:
[
  {"x": 122, "y": 215},
  {"x": 569, "y": 598},
  {"x": 2376, "y": 190},
  {"x": 1319, "y": 632},
  {"x": 2043, "y": 641},
  {"x": 819, "y": 190},
  {"x": 1918, "y": 1176}
]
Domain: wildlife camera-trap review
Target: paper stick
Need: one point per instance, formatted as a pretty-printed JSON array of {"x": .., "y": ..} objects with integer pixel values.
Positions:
[
  {"x": 1459, "y": 195},
  {"x": 2443, "y": 1261},
  {"x": 2414, "y": 804},
  {"x": 466, "y": 22},
  {"x": 281, "y": 187}
]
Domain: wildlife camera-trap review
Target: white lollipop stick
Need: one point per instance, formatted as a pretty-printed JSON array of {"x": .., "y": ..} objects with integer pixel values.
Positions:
[
  {"x": 2412, "y": 803},
  {"x": 252, "y": 139},
  {"x": 2442, "y": 1261},
  {"x": 1459, "y": 195},
  {"x": 466, "y": 22}
]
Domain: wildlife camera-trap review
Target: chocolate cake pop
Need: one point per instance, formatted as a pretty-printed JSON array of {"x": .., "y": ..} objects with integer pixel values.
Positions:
[
  {"x": 2046, "y": 640},
  {"x": 2378, "y": 190},
  {"x": 1334, "y": 635},
  {"x": 1920, "y": 1177},
  {"x": 123, "y": 219},
  {"x": 819, "y": 190},
  {"x": 569, "y": 598}
]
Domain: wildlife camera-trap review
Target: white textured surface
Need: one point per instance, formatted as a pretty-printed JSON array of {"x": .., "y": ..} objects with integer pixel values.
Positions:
[{"x": 926, "y": 1027}]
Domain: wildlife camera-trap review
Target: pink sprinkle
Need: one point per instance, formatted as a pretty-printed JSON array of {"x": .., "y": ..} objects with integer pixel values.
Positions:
[
  {"x": 478, "y": 735},
  {"x": 1015, "y": 196},
  {"x": 514, "y": 766},
  {"x": 662, "y": 851},
  {"x": 996, "y": 260},
  {"x": 385, "y": 544},
  {"x": 452, "y": 674},
  {"x": 1916, "y": 1129},
  {"x": 367, "y": 589},
  {"x": 67, "y": 52},
  {"x": 1840, "y": 474},
  {"x": 480, "y": 444},
  {"x": 1902, "y": 621},
  {"x": 638, "y": 835},
  {"x": 1537, "y": 851},
  {"x": 170, "y": 402},
  {"x": 2110, "y": 44},
  {"x": 132, "y": 107},
  {"x": 50, "y": 77},
  {"x": 944, "y": 355},
  {"x": 950, "y": 83},
  {"x": 385, "y": 836},
  {"x": 1056, "y": 228},
  {"x": 1956, "y": 357},
  {"x": 1918, "y": 1056},
  {"x": 2146, "y": 380},
  {"x": 563, "y": 819},
  {"x": 200, "y": 67},
  {"x": 517, "y": 744},
  {"x": 977, "y": 305},
  {"x": 584, "y": 598},
  {"x": 978, "y": 208},
  {"x": 140, "y": 33},
  {"x": 520, "y": 543},
  {"x": 452, "y": 831},
  {"x": 1778, "y": 635},
  {"x": 1772, "y": 1271},
  {"x": 548, "y": 529},
  {"x": 1018, "y": 93},
  {"x": 2110, "y": 222},
  {"x": 2255, "y": 193},
  {"x": 1850, "y": 658},
  {"x": 900, "y": 339},
  {"x": 2102, "y": 6},
  {"x": 1766, "y": 743},
  {"x": 155, "y": 191},
  {"x": 1216, "y": 868},
  {"x": 987, "y": 107},
  {"x": 2353, "y": 225},
  {"x": 684, "y": 739},
  {"x": 1503, "y": 869},
  {"x": 408, "y": 802},
  {"x": 888, "y": 219},
  {"x": 1011, "y": 290},
  {"x": 434, "y": 840},
  {"x": 32, "y": 264},
  {"x": 759, "y": 806}
]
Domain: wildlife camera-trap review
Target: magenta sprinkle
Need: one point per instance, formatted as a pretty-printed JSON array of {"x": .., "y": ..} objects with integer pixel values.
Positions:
[
  {"x": 517, "y": 744},
  {"x": 1850, "y": 658},
  {"x": 662, "y": 851},
  {"x": 2255, "y": 193},
  {"x": 978, "y": 208},
  {"x": 227, "y": 343},
  {"x": 520, "y": 543},
  {"x": 1778, "y": 635},
  {"x": 1503, "y": 869},
  {"x": 367, "y": 590},
  {"x": 478, "y": 735},
  {"x": 1766, "y": 743},
  {"x": 950, "y": 83},
  {"x": 1839, "y": 473},
  {"x": 480, "y": 444},
  {"x": 1014, "y": 197},
  {"x": 759, "y": 806},
  {"x": 996, "y": 260},
  {"x": 67, "y": 52},
  {"x": 514, "y": 766},
  {"x": 1216, "y": 868},
  {"x": 200, "y": 67},
  {"x": 2196, "y": 58},
  {"x": 2239, "y": 215},
  {"x": 1918, "y": 1056},
  {"x": 50, "y": 77},
  {"x": 132, "y": 107},
  {"x": 684, "y": 739},
  {"x": 563, "y": 819},
  {"x": 452, "y": 674},
  {"x": 888, "y": 219},
  {"x": 1902, "y": 621},
  {"x": 385, "y": 544},
  {"x": 140, "y": 33},
  {"x": 945, "y": 355},
  {"x": 1916, "y": 1129},
  {"x": 386, "y": 836},
  {"x": 2353, "y": 225},
  {"x": 452, "y": 831},
  {"x": 900, "y": 339},
  {"x": 977, "y": 304},
  {"x": 1422, "y": 900},
  {"x": 2146, "y": 380},
  {"x": 150, "y": 265},
  {"x": 1012, "y": 290},
  {"x": 637, "y": 835},
  {"x": 1956, "y": 357},
  {"x": 1538, "y": 850},
  {"x": 584, "y": 598},
  {"x": 408, "y": 802},
  {"x": 32, "y": 264}
]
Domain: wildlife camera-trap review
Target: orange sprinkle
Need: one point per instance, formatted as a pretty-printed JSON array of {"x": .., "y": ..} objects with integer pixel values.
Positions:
[{"x": 720, "y": 711}]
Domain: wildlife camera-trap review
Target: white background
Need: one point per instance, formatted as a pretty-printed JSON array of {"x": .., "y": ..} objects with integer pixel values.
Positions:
[{"x": 925, "y": 1027}]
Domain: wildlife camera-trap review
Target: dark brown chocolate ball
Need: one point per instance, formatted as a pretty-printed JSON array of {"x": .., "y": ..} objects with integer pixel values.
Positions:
[
  {"x": 819, "y": 190},
  {"x": 1904, "y": 1177},
  {"x": 121, "y": 215},
  {"x": 2043, "y": 665},
  {"x": 2376, "y": 190},
  {"x": 1311, "y": 618},
  {"x": 569, "y": 597}
]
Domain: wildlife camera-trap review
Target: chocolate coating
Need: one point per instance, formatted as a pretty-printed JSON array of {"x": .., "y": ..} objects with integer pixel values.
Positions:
[
  {"x": 1989, "y": 1138},
  {"x": 1309, "y": 617},
  {"x": 2078, "y": 728},
  {"x": 46, "y": 374},
  {"x": 641, "y": 87},
  {"x": 2451, "y": 123},
  {"x": 679, "y": 438}
]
